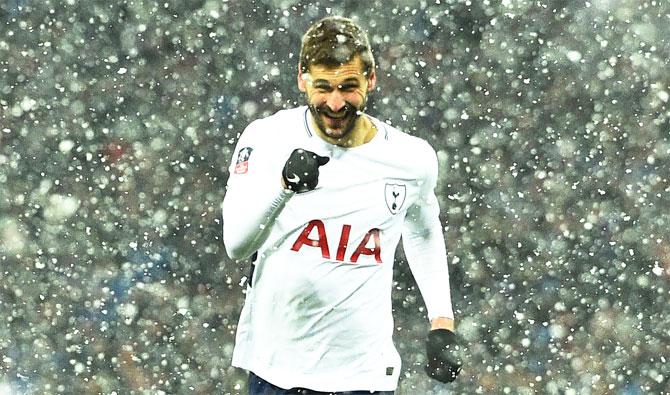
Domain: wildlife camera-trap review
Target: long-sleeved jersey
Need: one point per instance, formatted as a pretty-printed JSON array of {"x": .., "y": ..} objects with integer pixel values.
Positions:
[{"x": 318, "y": 310}]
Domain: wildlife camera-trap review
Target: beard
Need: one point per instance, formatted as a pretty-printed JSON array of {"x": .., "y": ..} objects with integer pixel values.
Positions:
[{"x": 339, "y": 124}]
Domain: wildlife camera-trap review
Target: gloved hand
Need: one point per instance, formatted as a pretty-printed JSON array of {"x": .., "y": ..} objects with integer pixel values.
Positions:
[
  {"x": 442, "y": 349},
  {"x": 301, "y": 171}
]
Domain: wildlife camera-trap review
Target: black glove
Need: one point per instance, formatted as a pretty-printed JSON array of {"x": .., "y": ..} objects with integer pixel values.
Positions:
[
  {"x": 301, "y": 171},
  {"x": 442, "y": 348}
]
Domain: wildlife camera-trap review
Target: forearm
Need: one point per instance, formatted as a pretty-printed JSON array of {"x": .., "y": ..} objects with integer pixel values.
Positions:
[
  {"x": 428, "y": 262},
  {"x": 443, "y": 323},
  {"x": 248, "y": 216},
  {"x": 423, "y": 241}
]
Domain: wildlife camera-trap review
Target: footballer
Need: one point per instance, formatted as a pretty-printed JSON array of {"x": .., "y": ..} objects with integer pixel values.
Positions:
[{"x": 319, "y": 197}]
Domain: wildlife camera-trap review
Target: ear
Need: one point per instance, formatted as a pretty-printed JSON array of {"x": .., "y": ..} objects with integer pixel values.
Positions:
[
  {"x": 372, "y": 81},
  {"x": 302, "y": 85}
]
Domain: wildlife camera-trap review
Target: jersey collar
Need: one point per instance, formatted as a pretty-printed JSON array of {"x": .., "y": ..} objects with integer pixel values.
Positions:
[{"x": 381, "y": 127}]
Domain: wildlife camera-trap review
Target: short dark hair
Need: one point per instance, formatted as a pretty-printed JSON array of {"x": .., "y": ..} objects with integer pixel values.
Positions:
[{"x": 333, "y": 41}]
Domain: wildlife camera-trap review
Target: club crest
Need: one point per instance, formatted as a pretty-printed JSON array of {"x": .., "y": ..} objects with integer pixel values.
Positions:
[
  {"x": 242, "y": 164},
  {"x": 395, "y": 197}
]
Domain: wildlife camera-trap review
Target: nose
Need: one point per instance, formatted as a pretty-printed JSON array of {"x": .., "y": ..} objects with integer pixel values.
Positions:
[{"x": 335, "y": 101}]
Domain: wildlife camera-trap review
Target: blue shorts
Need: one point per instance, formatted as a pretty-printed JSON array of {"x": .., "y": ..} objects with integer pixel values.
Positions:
[{"x": 258, "y": 386}]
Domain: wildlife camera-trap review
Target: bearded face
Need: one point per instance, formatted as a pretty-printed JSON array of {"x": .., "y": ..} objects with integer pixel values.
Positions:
[
  {"x": 337, "y": 96},
  {"x": 336, "y": 124}
]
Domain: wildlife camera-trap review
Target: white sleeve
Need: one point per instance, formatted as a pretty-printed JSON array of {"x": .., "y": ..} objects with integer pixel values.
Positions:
[
  {"x": 254, "y": 195},
  {"x": 423, "y": 242}
]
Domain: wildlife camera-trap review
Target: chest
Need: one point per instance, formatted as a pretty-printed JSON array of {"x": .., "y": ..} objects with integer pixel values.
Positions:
[{"x": 355, "y": 189}]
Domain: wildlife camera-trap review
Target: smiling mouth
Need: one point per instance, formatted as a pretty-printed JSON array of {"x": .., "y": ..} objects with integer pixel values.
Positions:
[{"x": 336, "y": 117}]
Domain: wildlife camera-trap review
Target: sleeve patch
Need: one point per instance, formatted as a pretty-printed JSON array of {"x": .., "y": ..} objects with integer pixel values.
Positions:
[{"x": 242, "y": 164}]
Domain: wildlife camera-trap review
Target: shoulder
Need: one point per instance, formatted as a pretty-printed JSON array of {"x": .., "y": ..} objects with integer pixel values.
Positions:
[
  {"x": 410, "y": 153},
  {"x": 414, "y": 149}
]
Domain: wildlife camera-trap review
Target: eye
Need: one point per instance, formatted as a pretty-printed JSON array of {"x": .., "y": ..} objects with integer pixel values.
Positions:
[
  {"x": 322, "y": 88},
  {"x": 348, "y": 87}
]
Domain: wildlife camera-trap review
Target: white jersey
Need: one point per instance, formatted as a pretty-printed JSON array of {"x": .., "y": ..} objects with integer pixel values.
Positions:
[{"x": 318, "y": 311}]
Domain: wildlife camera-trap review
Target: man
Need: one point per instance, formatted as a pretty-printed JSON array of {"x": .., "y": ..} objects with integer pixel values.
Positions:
[{"x": 320, "y": 195}]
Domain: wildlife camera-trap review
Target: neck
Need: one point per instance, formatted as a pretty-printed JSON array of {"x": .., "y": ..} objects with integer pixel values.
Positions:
[{"x": 363, "y": 132}]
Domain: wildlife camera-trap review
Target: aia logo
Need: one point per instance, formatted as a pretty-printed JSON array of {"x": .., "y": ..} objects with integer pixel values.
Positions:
[
  {"x": 395, "y": 197},
  {"x": 322, "y": 242},
  {"x": 242, "y": 164}
]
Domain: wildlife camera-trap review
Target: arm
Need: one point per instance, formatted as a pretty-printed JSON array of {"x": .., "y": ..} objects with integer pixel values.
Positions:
[
  {"x": 443, "y": 323},
  {"x": 254, "y": 197},
  {"x": 426, "y": 253},
  {"x": 423, "y": 241},
  {"x": 259, "y": 186}
]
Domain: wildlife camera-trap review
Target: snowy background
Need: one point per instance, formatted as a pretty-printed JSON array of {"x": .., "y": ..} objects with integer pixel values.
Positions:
[{"x": 117, "y": 121}]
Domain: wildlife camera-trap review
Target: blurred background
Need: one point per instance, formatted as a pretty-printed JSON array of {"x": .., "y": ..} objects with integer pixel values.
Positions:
[{"x": 117, "y": 124}]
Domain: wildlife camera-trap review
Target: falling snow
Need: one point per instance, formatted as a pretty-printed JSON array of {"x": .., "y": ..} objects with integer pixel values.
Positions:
[{"x": 552, "y": 127}]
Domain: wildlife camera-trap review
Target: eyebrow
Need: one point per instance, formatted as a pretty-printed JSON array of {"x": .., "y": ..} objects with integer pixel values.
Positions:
[{"x": 348, "y": 81}]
